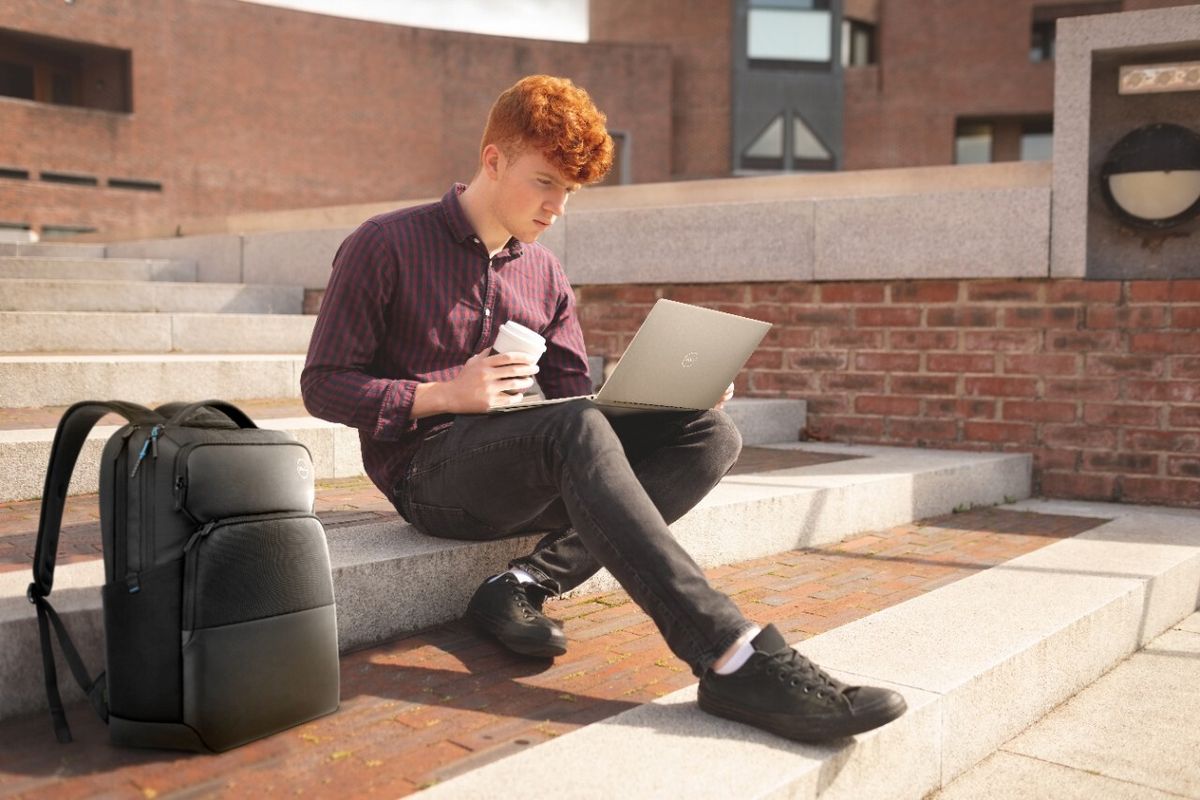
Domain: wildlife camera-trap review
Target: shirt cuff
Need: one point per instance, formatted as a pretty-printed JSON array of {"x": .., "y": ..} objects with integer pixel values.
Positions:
[{"x": 395, "y": 411}]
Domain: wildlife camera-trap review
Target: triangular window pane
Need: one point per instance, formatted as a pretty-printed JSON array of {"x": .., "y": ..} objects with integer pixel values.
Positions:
[
  {"x": 805, "y": 144},
  {"x": 769, "y": 143}
]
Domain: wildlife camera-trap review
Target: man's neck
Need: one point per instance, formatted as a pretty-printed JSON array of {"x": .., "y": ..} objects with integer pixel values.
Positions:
[{"x": 476, "y": 207}]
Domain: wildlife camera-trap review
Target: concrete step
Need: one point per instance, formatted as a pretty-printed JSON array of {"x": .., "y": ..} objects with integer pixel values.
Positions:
[
  {"x": 107, "y": 269},
  {"x": 51, "y": 380},
  {"x": 147, "y": 332},
  {"x": 1141, "y": 740},
  {"x": 25, "y": 450},
  {"x": 52, "y": 250},
  {"x": 978, "y": 661},
  {"x": 46, "y": 295},
  {"x": 389, "y": 579}
]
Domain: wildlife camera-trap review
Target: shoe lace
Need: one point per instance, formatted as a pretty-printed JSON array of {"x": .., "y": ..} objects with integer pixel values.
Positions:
[
  {"x": 531, "y": 608},
  {"x": 796, "y": 670}
]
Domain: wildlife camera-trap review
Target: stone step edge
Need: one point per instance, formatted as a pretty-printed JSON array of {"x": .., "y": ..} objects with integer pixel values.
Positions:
[
  {"x": 8, "y": 259},
  {"x": 204, "y": 286},
  {"x": 390, "y": 580},
  {"x": 335, "y": 448},
  {"x": 1078, "y": 607}
]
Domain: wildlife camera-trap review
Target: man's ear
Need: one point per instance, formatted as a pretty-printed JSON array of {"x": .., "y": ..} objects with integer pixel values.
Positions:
[{"x": 492, "y": 161}]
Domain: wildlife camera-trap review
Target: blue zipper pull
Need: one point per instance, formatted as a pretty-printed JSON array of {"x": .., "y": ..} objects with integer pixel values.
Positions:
[
  {"x": 149, "y": 446},
  {"x": 141, "y": 456}
]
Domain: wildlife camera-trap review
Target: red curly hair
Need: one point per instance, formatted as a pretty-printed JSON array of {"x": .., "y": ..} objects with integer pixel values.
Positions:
[{"x": 556, "y": 117}]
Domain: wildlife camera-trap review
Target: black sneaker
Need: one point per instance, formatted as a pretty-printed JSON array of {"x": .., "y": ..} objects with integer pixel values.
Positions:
[
  {"x": 512, "y": 612},
  {"x": 783, "y": 692}
]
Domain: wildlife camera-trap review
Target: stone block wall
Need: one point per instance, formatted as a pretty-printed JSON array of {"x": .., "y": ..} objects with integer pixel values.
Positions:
[{"x": 1100, "y": 380}]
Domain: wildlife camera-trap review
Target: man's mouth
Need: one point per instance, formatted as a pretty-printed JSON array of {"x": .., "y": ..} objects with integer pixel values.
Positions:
[{"x": 541, "y": 224}]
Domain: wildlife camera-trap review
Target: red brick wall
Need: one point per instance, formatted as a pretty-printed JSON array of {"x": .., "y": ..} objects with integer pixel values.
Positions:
[
  {"x": 244, "y": 107},
  {"x": 1099, "y": 380}
]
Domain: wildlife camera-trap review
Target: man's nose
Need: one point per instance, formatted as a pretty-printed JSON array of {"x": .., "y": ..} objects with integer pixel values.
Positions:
[{"x": 556, "y": 204}]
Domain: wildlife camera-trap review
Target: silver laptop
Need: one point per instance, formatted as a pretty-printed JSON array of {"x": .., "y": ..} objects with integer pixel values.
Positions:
[{"x": 681, "y": 359}]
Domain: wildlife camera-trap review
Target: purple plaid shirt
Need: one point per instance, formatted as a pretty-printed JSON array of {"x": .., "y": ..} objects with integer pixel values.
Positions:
[{"x": 412, "y": 296}]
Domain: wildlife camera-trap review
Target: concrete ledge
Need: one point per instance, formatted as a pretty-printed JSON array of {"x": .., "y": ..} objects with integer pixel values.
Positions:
[
  {"x": 978, "y": 661},
  {"x": 218, "y": 257},
  {"x": 44, "y": 295},
  {"x": 985, "y": 233},
  {"x": 768, "y": 241},
  {"x": 294, "y": 257},
  {"x": 763, "y": 420},
  {"x": 30, "y": 381},
  {"x": 44, "y": 249},
  {"x": 108, "y": 269},
  {"x": 390, "y": 580},
  {"x": 966, "y": 221},
  {"x": 335, "y": 448}
]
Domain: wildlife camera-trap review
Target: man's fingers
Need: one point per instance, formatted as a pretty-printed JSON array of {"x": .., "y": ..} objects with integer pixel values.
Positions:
[{"x": 515, "y": 357}]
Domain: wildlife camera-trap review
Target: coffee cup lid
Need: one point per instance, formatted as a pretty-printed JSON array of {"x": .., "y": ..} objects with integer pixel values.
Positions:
[{"x": 521, "y": 332}]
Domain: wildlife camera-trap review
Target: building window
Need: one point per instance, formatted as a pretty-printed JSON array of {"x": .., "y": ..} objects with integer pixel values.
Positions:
[
  {"x": 1045, "y": 18},
  {"x": 16, "y": 80},
  {"x": 1041, "y": 47},
  {"x": 65, "y": 231},
  {"x": 1014, "y": 137},
  {"x": 781, "y": 147},
  {"x": 973, "y": 143},
  {"x": 1037, "y": 140},
  {"x": 808, "y": 151},
  {"x": 789, "y": 32},
  {"x": 858, "y": 43},
  {"x": 621, "y": 171},
  {"x": 766, "y": 150},
  {"x": 63, "y": 72}
]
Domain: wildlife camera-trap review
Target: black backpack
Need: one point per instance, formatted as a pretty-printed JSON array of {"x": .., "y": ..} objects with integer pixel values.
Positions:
[{"x": 219, "y": 617}]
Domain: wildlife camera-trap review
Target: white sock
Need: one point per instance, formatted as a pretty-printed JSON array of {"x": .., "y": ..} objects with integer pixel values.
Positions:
[
  {"x": 521, "y": 575},
  {"x": 741, "y": 655}
]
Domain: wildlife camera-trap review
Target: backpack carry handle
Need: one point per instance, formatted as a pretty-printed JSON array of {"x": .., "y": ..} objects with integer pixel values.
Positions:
[{"x": 228, "y": 409}]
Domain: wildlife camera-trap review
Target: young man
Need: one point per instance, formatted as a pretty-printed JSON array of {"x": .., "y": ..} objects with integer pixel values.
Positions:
[{"x": 401, "y": 351}]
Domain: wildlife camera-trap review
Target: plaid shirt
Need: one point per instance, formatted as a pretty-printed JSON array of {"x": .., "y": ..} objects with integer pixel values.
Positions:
[{"x": 412, "y": 296}]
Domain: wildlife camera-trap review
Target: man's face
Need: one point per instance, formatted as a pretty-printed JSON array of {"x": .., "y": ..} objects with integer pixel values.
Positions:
[{"x": 530, "y": 194}]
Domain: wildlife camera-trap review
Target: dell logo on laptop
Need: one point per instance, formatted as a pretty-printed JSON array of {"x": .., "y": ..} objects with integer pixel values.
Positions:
[{"x": 690, "y": 359}]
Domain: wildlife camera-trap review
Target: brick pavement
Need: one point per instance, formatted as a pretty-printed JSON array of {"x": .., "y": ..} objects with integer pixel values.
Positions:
[{"x": 444, "y": 700}]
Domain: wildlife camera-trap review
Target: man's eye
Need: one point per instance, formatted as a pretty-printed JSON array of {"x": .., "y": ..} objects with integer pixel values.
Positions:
[{"x": 543, "y": 182}]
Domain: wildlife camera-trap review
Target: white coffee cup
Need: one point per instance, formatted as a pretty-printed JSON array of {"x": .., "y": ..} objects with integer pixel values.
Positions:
[{"x": 513, "y": 337}]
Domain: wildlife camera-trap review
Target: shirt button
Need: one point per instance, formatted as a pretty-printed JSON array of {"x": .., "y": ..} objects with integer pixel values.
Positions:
[
  {"x": 475, "y": 239},
  {"x": 487, "y": 312}
]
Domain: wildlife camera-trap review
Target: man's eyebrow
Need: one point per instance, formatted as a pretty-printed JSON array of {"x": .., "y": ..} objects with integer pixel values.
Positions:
[{"x": 570, "y": 187}]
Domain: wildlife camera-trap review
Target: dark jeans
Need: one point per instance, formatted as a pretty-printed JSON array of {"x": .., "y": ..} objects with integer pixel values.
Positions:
[{"x": 605, "y": 486}]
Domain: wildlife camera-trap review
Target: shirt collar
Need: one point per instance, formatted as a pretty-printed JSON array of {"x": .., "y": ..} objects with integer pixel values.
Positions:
[{"x": 460, "y": 226}]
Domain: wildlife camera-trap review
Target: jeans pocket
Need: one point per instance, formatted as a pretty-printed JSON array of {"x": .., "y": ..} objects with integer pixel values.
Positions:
[{"x": 449, "y": 523}]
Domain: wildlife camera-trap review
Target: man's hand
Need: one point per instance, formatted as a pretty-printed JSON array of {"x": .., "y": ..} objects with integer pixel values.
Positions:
[
  {"x": 483, "y": 380},
  {"x": 721, "y": 403}
]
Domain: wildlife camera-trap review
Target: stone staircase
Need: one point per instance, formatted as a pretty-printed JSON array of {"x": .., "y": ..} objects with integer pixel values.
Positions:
[{"x": 978, "y": 660}]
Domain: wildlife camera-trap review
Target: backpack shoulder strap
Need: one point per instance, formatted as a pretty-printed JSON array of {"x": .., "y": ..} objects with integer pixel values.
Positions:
[{"x": 72, "y": 432}]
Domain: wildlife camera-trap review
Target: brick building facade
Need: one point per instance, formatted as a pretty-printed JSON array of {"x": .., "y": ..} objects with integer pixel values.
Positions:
[
  {"x": 236, "y": 107},
  {"x": 214, "y": 107}
]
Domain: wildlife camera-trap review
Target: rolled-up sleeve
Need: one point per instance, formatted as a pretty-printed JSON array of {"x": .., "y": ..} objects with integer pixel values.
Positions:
[{"x": 335, "y": 383}]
